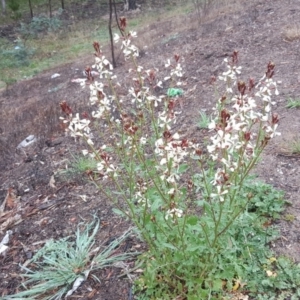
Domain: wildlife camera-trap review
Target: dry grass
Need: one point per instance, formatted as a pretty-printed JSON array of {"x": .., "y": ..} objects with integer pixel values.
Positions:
[{"x": 292, "y": 32}]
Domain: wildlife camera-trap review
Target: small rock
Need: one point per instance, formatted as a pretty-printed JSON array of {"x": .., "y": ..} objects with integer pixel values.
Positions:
[
  {"x": 55, "y": 75},
  {"x": 26, "y": 142}
]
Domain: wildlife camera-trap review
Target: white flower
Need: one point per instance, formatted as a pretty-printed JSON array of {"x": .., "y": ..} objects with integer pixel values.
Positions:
[
  {"x": 116, "y": 38},
  {"x": 172, "y": 178},
  {"x": 85, "y": 152},
  {"x": 212, "y": 124},
  {"x": 154, "y": 99},
  {"x": 171, "y": 191},
  {"x": 100, "y": 166},
  {"x": 174, "y": 212},
  {"x": 140, "y": 198},
  {"x": 177, "y": 71},
  {"x": 164, "y": 120},
  {"x": 168, "y": 63},
  {"x": 220, "y": 194},
  {"x": 143, "y": 141},
  {"x": 163, "y": 161},
  {"x": 133, "y": 34},
  {"x": 89, "y": 141}
]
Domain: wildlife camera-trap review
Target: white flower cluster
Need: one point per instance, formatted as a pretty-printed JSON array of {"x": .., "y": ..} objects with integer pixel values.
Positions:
[
  {"x": 172, "y": 151},
  {"x": 235, "y": 139},
  {"x": 104, "y": 166},
  {"x": 174, "y": 212},
  {"x": 230, "y": 76},
  {"x": 142, "y": 96},
  {"x": 103, "y": 66},
  {"x": 129, "y": 50},
  {"x": 176, "y": 71},
  {"x": 79, "y": 128}
]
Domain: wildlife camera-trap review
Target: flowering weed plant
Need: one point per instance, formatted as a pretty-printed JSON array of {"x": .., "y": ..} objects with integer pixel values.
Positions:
[{"x": 188, "y": 201}]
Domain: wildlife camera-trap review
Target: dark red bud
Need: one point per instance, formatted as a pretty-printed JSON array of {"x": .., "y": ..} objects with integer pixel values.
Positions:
[
  {"x": 275, "y": 118},
  {"x": 167, "y": 134},
  {"x": 152, "y": 75},
  {"x": 213, "y": 79},
  {"x": 242, "y": 87},
  {"x": 85, "y": 115},
  {"x": 226, "y": 177},
  {"x": 223, "y": 98},
  {"x": 270, "y": 70},
  {"x": 184, "y": 143},
  {"x": 190, "y": 184},
  {"x": 65, "y": 108},
  {"x": 176, "y": 57},
  {"x": 96, "y": 46},
  {"x": 235, "y": 57},
  {"x": 198, "y": 152},
  {"x": 225, "y": 116},
  {"x": 251, "y": 84},
  {"x": 100, "y": 95},
  {"x": 247, "y": 136},
  {"x": 171, "y": 105},
  {"x": 123, "y": 23}
]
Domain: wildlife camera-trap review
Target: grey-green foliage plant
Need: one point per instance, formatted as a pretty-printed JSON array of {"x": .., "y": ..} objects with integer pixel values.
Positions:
[
  {"x": 18, "y": 56},
  {"x": 66, "y": 262},
  {"x": 40, "y": 25},
  {"x": 201, "y": 219}
]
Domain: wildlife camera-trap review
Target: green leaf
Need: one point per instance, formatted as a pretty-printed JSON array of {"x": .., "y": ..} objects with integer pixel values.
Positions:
[
  {"x": 192, "y": 220},
  {"x": 118, "y": 212},
  {"x": 183, "y": 168}
]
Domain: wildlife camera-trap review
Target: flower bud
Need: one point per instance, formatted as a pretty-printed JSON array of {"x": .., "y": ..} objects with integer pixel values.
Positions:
[
  {"x": 270, "y": 70},
  {"x": 65, "y": 108},
  {"x": 235, "y": 57},
  {"x": 176, "y": 57},
  {"x": 242, "y": 87},
  {"x": 251, "y": 84},
  {"x": 275, "y": 118},
  {"x": 247, "y": 136},
  {"x": 123, "y": 23}
]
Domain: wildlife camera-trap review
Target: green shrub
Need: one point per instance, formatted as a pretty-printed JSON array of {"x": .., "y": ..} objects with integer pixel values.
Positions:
[
  {"x": 40, "y": 25},
  {"x": 14, "y": 5},
  {"x": 19, "y": 56}
]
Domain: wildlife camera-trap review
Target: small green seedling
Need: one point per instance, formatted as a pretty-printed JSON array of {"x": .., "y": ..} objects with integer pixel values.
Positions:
[
  {"x": 293, "y": 103},
  {"x": 289, "y": 217},
  {"x": 204, "y": 120},
  {"x": 295, "y": 148}
]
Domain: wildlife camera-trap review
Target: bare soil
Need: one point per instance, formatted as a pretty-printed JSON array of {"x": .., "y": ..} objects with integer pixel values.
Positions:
[{"x": 257, "y": 29}]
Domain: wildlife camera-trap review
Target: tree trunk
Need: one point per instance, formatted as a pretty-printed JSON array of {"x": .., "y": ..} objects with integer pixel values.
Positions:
[
  {"x": 62, "y": 4},
  {"x": 129, "y": 4},
  {"x": 3, "y": 7},
  {"x": 50, "y": 9},
  {"x": 110, "y": 33},
  {"x": 116, "y": 16},
  {"x": 30, "y": 8},
  {"x": 132, "y": 4}
]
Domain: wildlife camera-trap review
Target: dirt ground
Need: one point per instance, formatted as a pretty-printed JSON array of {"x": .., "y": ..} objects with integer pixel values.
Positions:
[{"x": 261, "y": 30}]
